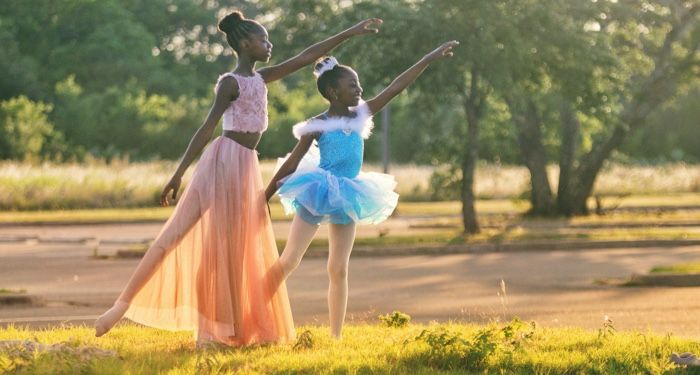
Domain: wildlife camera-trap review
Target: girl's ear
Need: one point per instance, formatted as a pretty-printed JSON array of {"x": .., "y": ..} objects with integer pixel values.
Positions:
[{"x": 244, "y": 43}]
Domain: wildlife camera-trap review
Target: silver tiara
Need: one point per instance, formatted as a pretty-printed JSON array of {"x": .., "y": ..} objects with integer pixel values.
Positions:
[{"x": 325, "y": 65}]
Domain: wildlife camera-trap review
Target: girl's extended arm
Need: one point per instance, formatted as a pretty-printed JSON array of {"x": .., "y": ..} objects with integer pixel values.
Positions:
[
  {"x": 311, "y": 54},
  {"x": 291, "y": 164},
  {"x": 225, "y": 93},
  {"x": 406, "y": 78}
]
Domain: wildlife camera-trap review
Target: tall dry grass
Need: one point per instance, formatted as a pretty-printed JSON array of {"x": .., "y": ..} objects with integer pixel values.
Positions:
[{"x": 98, "y": 184}]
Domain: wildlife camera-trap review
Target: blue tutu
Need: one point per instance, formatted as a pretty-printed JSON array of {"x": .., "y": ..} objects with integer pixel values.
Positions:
[
  {"x": 320, "y": 196},
  {"x": 328, "y": 185}
]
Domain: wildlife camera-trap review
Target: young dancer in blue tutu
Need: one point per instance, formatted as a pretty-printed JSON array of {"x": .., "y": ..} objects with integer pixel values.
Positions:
[{"x": 333, "y": 189}]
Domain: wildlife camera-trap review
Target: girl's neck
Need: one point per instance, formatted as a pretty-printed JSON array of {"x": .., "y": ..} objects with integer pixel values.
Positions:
[
  {"x": 338, "y": 110},
  {"x": 245, "y": 66}
]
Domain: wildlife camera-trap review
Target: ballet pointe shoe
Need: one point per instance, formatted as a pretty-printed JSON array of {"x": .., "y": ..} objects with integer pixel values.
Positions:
[{"x": 110, "y": 317}]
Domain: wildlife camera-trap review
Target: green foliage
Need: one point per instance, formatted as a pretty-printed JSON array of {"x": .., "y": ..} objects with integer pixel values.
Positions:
[
  {"x": 18, "y": 72},
  {"x": 287, "y": 107},
  {"x": 450, "y": 350},
  {"x": 672, "y": 132},
  {"x": 396, "y": 319},
  {"x": 446, "y": 183},
  {"x": 25, "y": 130},
  {"x": 304, "y": 341},
  {"x": 125, "y": 121},
  {"x": 134, "y": 78}
]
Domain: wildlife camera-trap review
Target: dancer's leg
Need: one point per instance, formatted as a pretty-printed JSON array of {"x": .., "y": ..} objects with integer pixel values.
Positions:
[
  {"x": 187, "y": 215},
  {"x": 341, "y": 239},
  {"x": 300, "y": 235}
]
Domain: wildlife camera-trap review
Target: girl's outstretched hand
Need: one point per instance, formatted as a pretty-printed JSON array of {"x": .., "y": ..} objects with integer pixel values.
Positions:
[
  {"x": 174, "y": 185},
  {"x": 365, "y": 27},
  {"x": 445, "y": 50}
]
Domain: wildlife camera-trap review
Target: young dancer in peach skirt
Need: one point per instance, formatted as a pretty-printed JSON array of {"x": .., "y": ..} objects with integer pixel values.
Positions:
[{"x": 212, "y": 267}]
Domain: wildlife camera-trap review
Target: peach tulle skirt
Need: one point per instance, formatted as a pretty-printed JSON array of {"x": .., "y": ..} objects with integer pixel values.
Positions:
[{"x": 218, "y": 275}]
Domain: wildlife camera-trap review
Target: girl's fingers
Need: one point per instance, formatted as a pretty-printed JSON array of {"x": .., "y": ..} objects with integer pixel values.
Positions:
[
  {"x": 447, "y": 48},
  {"x": 372, "y": 22},
  {"x": 450, "y": 44}
]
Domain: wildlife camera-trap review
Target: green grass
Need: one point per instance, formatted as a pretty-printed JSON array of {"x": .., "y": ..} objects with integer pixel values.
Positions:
[
  {"x": 451, "y": 348},
  {"x": 517, "y": 234},
  {"x": 162, "y": 213},
  {"x": 493, "y": 211},
  {"x": 520, "y": 235},
  {"x": 12, "y": 291},
  {"x": 86, "y": 215},
  {"x": 682, "y": 268}
]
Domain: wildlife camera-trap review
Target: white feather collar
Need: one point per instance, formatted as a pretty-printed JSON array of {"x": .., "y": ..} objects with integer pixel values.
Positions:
[{"x": 361, "y": 124}]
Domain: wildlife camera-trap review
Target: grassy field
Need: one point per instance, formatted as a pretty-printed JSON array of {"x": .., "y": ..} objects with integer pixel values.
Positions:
[
  {"x": 680, "y": 269},
  {"x": 393, "y": 347},
  {"x": 97, "y": 184},
  {"x": 521, "y": 236},
  {"x": 494, "y": 212}
]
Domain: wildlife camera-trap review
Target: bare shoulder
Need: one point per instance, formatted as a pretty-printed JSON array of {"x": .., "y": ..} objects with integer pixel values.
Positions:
[{"x": 228, "y": 85}]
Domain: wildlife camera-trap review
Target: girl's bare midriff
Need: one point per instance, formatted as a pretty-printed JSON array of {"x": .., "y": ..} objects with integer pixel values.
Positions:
[{"x": 245, "y": 139}]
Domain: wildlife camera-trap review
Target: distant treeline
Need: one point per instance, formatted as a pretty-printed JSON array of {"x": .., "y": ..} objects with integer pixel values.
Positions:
[{"x": 134, "y": 79}]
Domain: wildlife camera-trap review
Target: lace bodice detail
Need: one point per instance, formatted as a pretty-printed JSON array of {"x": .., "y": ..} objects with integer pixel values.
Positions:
[
  {"x": 341, "y": 143},
  {"x": 248, "y": 112}
]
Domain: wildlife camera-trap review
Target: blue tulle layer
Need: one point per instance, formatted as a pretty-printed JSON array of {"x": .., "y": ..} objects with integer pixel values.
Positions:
[{"x": 368, "y": 198}]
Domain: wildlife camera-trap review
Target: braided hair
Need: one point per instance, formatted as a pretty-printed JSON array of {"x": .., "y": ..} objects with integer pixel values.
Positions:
[{"x": 237, "y": 27}]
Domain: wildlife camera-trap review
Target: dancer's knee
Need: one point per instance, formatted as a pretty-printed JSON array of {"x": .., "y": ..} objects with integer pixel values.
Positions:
[
  {"x": 337, "y": 271},
  {"x": 289, "y": 263}
]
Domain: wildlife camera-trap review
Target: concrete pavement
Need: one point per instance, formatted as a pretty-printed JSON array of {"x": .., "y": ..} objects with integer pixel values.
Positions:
[{"x": 554, "y": 288}]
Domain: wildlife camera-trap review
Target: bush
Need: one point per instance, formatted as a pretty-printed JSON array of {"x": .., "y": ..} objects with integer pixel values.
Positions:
[
  {"x": 396, "y": 319},
  {"x": 25, "y": 130},
  {"x": 446, "y": 184}
]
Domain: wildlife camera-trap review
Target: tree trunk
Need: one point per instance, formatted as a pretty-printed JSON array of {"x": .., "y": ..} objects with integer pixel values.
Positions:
[
  {"x": 566, "y": 188},
  {"x": 473, "y": 108},
  {"x": 534, "y": 156}
]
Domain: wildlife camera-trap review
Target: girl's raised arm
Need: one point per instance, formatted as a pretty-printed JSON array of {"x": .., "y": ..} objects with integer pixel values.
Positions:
[
  {"x": 406, "y": 78},
  {"x": 291, "y": 164},
  {"x": 312, "y": 53},
  {"x": 225, "y": 93}
]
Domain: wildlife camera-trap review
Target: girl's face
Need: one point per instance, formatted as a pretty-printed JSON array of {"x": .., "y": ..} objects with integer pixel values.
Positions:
[
  {"x": 258, "y": 45},
  {"x": 347, "y": 90}
]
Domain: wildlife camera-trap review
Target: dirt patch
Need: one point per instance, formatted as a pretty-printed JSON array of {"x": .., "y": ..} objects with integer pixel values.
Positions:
[{"x": 10, "y": 299}]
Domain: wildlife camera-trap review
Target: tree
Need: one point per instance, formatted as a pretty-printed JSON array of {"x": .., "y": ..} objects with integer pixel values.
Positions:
[
  {"x": 662, "y": 40},
  {"x": 639, "y": 53}
]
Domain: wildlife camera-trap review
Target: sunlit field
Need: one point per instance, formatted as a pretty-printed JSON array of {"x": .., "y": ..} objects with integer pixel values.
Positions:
[
  {"x": 394, "y": 346},
  {"x": 122, "y": 184}
]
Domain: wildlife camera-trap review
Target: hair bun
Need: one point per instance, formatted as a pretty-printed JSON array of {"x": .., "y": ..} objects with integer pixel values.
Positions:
[
  {"x": 228, "y": 23},
  {"x": 324, "y": 64}
]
